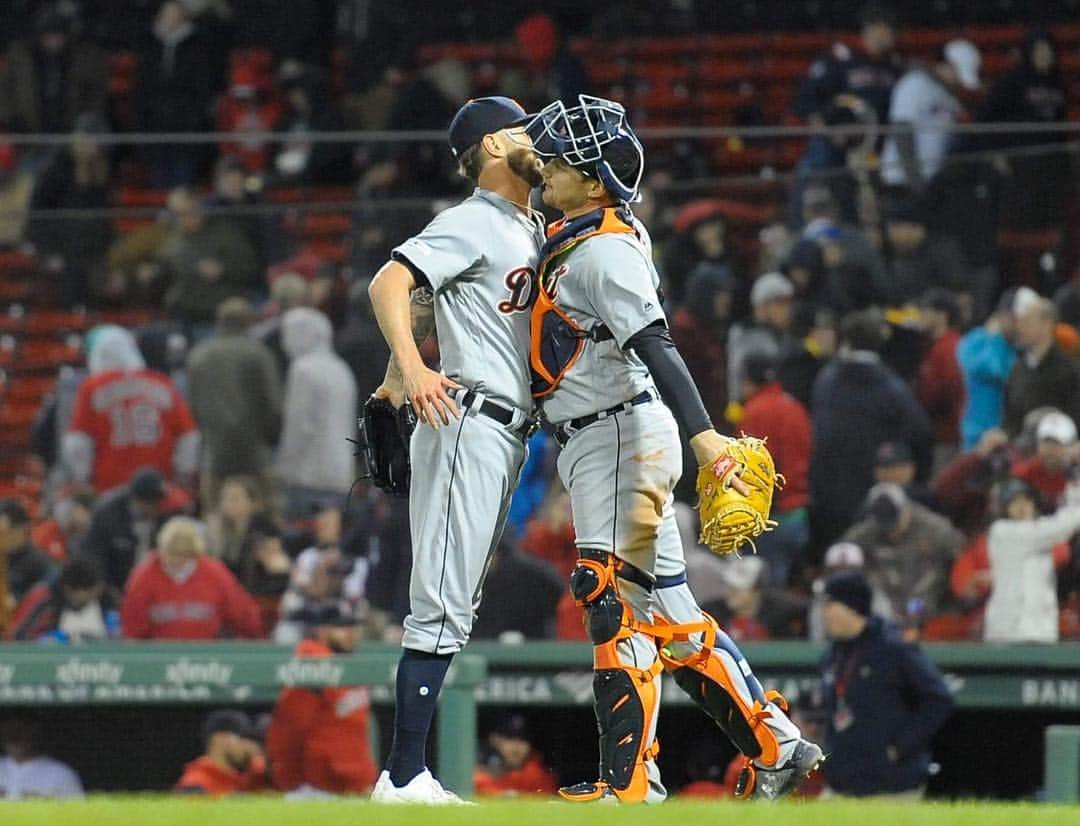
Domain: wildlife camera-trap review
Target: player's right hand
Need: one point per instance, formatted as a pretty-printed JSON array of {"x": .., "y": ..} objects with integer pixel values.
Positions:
[{"x": 426, "y": 390}]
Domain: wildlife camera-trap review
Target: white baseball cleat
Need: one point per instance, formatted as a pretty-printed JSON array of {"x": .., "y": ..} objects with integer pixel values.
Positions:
[{"x": 423, "y": 789}]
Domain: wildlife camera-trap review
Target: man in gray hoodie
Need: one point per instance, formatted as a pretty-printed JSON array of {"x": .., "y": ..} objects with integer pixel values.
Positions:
[{"x": 315, "y": 462}]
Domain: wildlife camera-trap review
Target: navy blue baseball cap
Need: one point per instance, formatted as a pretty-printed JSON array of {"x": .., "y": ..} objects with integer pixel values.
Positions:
[{"x": 483, "y": 116}]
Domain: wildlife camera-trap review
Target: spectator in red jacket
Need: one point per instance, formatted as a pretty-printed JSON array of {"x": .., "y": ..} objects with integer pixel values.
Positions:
[
  {"x": 1047, "y": 471},
  {"x": 939, "y": 384},
  {"x": 513, "y": 766},
  {"x": 318, "y": 738},
  {"x": 773, "y": 414},
  {"x": 126, "y": 417},
  {"x": 233, "y": 760},
  {"x": 179, "y": 593}
]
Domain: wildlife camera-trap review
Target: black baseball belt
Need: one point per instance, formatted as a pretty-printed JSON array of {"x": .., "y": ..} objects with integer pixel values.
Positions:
[
  {"x": 502, "y": 415},
  {"x": 564, "y": 430}
]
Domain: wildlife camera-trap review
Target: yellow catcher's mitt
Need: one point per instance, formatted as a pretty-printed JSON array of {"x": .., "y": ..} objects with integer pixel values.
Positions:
[{"x": 728, "y": 518}]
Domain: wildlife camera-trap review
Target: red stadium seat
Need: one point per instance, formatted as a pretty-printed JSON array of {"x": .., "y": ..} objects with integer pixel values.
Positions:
[
  {"x": 45, "y": 322},
  {"x": 47, "y": 355},
  {"x": 324, "y": 223},
  {"x": 130, "y": 196},
  {"x": 606, "y": 72},
  {"x": 28, "y": 389}
]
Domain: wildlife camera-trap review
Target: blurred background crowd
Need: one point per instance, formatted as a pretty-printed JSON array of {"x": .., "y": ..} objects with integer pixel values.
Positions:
[{"x": 892, "y": 299}]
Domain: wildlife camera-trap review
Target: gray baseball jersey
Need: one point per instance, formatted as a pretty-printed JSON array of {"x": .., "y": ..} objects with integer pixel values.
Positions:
[
  {"x": 479, "y": 258},
  {"x": 607, "y": 279}
]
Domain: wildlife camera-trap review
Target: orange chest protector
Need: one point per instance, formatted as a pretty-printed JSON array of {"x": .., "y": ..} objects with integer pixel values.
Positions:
[{"x": 556, "y": 340}]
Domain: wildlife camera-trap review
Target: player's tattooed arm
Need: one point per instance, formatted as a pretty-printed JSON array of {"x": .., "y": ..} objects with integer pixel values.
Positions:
[{"x": 422, "y": 316}]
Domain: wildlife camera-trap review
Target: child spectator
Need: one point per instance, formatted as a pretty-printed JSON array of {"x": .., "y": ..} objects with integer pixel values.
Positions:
[
  {"x": 1023, "y": 604},
  {"x": 71, "y": 607}
]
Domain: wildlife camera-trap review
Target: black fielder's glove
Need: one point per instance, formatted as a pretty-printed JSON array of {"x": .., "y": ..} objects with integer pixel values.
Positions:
[{"x": 385, "y": 431}]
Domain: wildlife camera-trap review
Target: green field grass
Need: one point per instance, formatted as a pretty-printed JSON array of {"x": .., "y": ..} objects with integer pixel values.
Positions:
[{"x": 164, "y": 811}]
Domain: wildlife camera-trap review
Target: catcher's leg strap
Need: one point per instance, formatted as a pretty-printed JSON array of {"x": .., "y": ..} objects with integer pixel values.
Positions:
[
  {"x": 626, "y": 697},
  {"x": 718, "y": 678}
]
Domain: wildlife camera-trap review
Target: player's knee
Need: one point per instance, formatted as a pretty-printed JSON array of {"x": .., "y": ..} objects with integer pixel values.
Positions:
[{"x": 592, "y": 588}]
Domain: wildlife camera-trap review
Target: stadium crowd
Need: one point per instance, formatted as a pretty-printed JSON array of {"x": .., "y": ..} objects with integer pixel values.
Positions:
[{"x": 919, "y": 387}]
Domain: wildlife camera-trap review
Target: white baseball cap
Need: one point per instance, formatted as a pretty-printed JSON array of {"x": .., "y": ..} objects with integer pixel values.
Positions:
[
  {"x": 844, "y": 555},
  {"x": 965, "y": 58},
  {"x": 1057, "y": 426},
  {"x": 769, "y": 287}
]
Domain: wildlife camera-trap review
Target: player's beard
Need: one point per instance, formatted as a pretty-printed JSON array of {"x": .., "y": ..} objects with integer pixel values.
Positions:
[{"x": 522, "y": 162}]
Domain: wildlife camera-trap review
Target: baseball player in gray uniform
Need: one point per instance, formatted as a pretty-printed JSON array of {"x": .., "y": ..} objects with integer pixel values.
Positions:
[
  {"x": 612, "y": 388},
  {"x": 470, "y": 272}
]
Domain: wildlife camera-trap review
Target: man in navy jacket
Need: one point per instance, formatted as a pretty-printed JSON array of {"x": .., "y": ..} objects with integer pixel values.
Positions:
[{"x": 884, "y": 699}]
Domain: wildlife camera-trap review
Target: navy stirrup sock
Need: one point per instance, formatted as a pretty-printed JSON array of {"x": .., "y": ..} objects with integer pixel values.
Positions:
[{"x": 419, "y": 679}]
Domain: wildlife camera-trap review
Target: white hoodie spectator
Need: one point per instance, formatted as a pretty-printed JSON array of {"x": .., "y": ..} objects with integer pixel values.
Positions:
[
  {"x": 1023, "y": 605},
  {"x": 315, "y": 462}
]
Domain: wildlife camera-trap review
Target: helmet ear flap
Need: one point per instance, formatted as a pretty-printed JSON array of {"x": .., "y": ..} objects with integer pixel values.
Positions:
[{"x": 614, "y": 185}]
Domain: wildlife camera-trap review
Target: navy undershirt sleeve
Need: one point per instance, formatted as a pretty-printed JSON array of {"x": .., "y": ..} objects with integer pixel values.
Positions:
[{"x": 654, "y": 346}]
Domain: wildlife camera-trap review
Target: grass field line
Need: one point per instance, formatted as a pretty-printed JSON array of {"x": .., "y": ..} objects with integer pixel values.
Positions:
[{"x": 157, "y": 810}]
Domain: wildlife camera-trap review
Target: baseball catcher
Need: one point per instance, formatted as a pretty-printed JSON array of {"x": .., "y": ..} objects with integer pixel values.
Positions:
[{"x": 615, "y": 393}]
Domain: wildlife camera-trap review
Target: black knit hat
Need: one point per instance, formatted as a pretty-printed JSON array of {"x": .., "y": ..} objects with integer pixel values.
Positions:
[{"x": 850, "y": 588}]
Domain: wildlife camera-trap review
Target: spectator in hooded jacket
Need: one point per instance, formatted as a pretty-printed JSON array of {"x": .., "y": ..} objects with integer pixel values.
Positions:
[
  {"x": 179, "y": 593},
  {"x": 319, "y": 415},
  {"x": 884, "y": 699},
  {"x": 127, "y": 417},
  {"x": 859, "y": 403},
  {"x": 1023, "y": 604}
]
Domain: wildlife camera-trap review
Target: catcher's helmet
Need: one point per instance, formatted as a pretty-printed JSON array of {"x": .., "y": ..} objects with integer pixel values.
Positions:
[{"x": 595, "y": 138}]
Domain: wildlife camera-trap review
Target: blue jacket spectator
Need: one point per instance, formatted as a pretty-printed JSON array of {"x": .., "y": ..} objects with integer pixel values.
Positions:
[
  {"x": 884, "y": 699},
  {"x": 986, "y": 357}
]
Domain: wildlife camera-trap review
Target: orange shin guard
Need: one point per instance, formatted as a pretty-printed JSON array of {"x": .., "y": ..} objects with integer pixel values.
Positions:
[{"x": 714, "y": 679}]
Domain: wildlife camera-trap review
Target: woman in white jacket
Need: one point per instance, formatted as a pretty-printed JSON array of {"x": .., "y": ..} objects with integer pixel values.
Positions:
[{"x": 1023, "y": 605}]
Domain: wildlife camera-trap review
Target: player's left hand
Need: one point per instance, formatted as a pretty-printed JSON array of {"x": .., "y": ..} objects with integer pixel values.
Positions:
[{"x": 707, "y": 447}]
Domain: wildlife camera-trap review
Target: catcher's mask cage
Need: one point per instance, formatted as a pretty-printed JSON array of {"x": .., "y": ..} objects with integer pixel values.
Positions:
[{"x": 579, "y": 135}]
